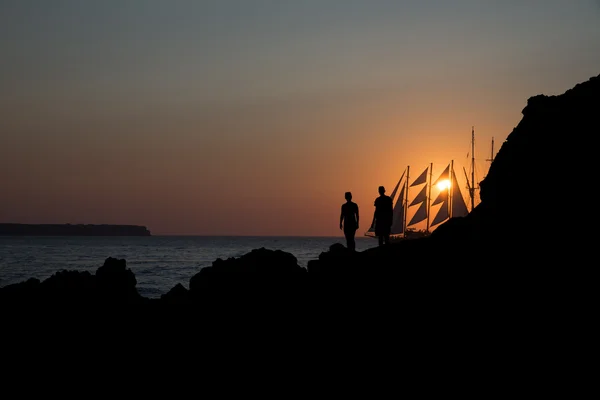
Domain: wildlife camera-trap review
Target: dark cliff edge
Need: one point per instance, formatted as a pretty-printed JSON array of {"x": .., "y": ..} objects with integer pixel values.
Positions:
[
  {"x": 9, "y": 229},
  {"x": 509, "y": 266}
]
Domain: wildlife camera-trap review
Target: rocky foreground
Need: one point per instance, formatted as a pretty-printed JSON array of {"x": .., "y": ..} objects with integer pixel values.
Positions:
[{"x": 515, "y": 247}]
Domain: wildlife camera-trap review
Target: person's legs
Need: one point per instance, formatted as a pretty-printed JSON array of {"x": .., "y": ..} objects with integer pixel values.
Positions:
[
  {"x": 380, "y": 238},
  {"x": 351, "y": 241}
]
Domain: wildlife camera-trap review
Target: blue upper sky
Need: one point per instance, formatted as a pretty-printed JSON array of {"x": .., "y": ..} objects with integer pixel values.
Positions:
[{"x": 229, "y": 50}]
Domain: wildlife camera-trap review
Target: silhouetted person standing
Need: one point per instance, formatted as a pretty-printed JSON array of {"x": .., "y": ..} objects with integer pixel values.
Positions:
[
  {"x": 384, "y": 211},
  {"x": 349, "y": 220}
]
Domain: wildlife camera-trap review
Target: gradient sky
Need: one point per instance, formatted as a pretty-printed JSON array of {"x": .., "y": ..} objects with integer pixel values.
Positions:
[{"x": 253, "y": 117}]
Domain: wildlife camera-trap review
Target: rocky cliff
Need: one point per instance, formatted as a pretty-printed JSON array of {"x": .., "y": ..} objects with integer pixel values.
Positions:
[{"x": 538, "y": 185}]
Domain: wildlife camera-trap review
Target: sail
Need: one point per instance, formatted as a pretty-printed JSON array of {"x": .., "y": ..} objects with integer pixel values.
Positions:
[
  {"x": 459, "y": 207},
  {"x": 372, "y": 227},
  {"x": 442, "y": 214},
  {"x": 420, "y": 215},
  {"x": 443, "y": 176},
  {"x": 419, "y": 198},
  {"x": 421, "y": 179},
  {"x": 398, "y": 217},
  {"x": 393, "y": 195},
  {"x": 442, "y": 197},
  {"x": 371, "y": 230}
]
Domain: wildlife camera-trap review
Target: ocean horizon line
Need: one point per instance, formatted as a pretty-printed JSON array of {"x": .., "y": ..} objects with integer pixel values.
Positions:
[{"x": 254, "y": 236}]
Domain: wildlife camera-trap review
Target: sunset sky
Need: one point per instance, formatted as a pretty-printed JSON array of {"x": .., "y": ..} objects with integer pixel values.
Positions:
[{"x": 253, "y": 117}]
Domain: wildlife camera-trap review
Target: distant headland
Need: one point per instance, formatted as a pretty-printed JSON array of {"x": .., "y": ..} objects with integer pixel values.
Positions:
[{"x": 10, "y": 229}]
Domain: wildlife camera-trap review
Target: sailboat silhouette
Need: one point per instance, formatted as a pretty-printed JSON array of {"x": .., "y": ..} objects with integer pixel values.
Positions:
[
  {"x": 449, "y": 199},
  {"x": 449, "y": 202}
]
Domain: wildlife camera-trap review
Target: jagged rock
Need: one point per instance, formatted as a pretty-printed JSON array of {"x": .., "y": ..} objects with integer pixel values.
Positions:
[
  {"x": 525, "y": 186},
  {"x": 69, "y": 287},
  {"x": 177, "y": 295},
  {"x": 17, "y": 293},
  {"x": 112, "y": 283},
  {"x": 116, "y": 283},
  {"x": 525, "y": 196},
  {"x": 268, "y": 277},
  {"x": 260, "y": 266},
  {"x": 114, "y": 276}
]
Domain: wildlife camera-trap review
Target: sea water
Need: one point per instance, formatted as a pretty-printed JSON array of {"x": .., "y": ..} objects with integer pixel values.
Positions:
[{"x": 158, "y": 262}]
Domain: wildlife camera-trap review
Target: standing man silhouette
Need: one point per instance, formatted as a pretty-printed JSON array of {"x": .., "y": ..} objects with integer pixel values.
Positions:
[
  {"x": 349, "y": 221},
  {"x": 384, "y": 211}
]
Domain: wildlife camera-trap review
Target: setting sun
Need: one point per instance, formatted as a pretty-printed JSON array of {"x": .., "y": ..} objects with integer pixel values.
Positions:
[{"x": 443, "y": 185}]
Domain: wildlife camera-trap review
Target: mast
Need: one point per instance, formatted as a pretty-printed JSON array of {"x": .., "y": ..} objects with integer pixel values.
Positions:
[
  {"x": 472, "y": 186},
  {"x": 429, "y": 195},
  {"x": 451, "y": 188},
  {"x": 405, "y": 217},
  {"x": 491, "y": 159}
]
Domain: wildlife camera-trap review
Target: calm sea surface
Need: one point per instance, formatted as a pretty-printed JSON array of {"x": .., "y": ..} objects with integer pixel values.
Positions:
[{"x": 158, "y": 262}]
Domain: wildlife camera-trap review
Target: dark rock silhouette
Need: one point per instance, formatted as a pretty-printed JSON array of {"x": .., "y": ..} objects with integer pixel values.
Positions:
[
  {"x": 113, "y": 283},
  {"x": 498, "y": 256},
  {"x": 524, "y": 195}
]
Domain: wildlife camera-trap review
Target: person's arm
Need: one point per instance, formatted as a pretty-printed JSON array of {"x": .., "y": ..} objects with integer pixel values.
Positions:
[
  {"x": 357, "y": 217},
  {"x": 341, "y": 217}
]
